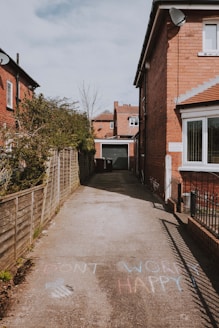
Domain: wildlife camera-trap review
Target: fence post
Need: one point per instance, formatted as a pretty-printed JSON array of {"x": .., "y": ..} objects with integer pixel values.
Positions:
[
  {"x": 15, "y": 228},
  {"x": 31, "y": 217},
  {"x": 58, "y": 177},
  {"x": 193, "y": 204}
]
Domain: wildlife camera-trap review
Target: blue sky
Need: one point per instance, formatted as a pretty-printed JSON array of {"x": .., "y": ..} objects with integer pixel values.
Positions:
[{"x": 63, "y": 43}]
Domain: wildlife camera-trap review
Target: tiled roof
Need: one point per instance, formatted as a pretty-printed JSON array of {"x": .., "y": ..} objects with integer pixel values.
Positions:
[
  {"x": 104, "y": 117},
  {"x": 210, "y": 94},
  {"x": 127, "y": 109}
]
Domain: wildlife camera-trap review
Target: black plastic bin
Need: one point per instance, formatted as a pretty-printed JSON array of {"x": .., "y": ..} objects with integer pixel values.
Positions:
[
  {"x": 99, "y": 165},
  {"x": 109, "y": 165}
]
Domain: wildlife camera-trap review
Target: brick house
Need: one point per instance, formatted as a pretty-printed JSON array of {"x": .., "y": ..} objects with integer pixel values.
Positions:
[
  {"x": 103, "y": 125},
  {"x": 178, "y": 81},
  {"x": 126, "y": 120},
  {"x": 15, "y": 85},
  {"x": 114, "y": 135}
]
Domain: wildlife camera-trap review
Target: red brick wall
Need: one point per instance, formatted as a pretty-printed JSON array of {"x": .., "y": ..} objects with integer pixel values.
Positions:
[
  {"x": 185, "y": 70},
  {"x": 155, "y": 129},
  {"x": 121, "y": 117},
  {"x": 98, "y": 148},
  {"x": 123, "y": 127},
  {"x": 205, "y": 239},
  {"x": 102, "y": 129},
  {"x": 7, "y": 115},
  {"x": 175, "y": 68}
]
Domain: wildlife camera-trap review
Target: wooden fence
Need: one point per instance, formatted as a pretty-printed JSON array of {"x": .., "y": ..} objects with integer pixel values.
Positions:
[{"x": 23, "y": 214}]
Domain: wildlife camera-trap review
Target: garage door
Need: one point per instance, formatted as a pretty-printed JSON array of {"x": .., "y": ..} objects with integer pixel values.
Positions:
[{"x": 119, "y": 155}]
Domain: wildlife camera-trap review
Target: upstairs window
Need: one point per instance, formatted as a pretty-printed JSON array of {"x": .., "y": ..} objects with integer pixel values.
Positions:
[
  {"x": 211, "y": 36},
  {"x": 133, "y": 121},
  {"x": 111, "y": 125},
  {"x": 9, "y": 95}
]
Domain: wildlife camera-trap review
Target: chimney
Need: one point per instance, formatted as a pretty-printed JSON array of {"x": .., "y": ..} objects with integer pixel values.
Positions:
[{"x": 18, "y": 58}]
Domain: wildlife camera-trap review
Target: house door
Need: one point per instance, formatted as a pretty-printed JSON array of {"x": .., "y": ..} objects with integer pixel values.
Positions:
[{"x": 119, "y": 155}]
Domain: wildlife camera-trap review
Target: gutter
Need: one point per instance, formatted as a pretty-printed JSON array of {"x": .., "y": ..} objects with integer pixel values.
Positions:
[{"x": 191, "y": 105}]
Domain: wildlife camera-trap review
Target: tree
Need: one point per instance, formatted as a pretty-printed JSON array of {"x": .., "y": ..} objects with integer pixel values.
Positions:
[{"x": 90, "y": 101}]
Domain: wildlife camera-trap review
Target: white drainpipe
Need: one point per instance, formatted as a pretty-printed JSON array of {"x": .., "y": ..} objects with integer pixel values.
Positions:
[{"x": 168, "y": 174}]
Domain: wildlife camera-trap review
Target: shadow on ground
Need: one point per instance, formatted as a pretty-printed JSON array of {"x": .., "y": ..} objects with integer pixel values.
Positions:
[
  {"x": 201, "y": 273},
  {"x": 125, "y": 183}
]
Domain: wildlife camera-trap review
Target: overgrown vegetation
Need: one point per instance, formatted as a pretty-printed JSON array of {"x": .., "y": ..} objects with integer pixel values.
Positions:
[
  {"x": 5, "y": 276},
  {"x": 42, "y": 125}
]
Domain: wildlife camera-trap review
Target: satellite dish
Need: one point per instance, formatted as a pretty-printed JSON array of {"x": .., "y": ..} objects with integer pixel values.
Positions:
[
  {"x": 4, "y": 59},
  {"x": 177, "y": 16}
]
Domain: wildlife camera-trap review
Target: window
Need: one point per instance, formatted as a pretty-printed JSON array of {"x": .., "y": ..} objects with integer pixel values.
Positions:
[
  {"x": 133, "y": 121},
  {"x": 111, "y": 125},
  {"x": 211, "y": 37},
  {"x": 201, "y": 142},
  {"x": 213, "y": 140},
  {"x": 9, "y": 95},
  {"x": 194, "y": 141}
]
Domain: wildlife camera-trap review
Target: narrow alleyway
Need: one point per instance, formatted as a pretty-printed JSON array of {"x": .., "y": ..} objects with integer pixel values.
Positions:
[{"x": 113, "y": 257}]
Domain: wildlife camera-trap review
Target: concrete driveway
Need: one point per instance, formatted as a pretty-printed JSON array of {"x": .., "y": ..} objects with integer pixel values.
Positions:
[{"x": 113, "y": 257}]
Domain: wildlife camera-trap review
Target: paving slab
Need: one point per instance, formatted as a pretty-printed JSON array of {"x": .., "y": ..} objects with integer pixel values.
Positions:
[{"x": 114, "y": 257}]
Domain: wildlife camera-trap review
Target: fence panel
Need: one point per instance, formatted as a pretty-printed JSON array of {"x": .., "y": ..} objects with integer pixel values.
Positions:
[{"x": 23, "y": 214}]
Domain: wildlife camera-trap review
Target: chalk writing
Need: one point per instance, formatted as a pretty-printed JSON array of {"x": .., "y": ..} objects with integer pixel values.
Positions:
[
  {"x": 194, "y": 268},
  {"x": 53, "y": 284},
  {"x": 152, "y": 266},
  {"x": 150, "y": 284},
  {"x": 57, "y": 288},
  {"x": 70, "y": 267},
  {"x": 149, "y": 276}
]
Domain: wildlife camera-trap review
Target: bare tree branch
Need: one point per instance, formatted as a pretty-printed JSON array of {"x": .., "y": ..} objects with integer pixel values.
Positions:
[{"x": 90, "y": 100}]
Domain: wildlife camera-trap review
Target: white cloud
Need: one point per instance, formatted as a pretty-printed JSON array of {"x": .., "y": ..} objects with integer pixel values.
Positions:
[{"x": 65, "y": 42}]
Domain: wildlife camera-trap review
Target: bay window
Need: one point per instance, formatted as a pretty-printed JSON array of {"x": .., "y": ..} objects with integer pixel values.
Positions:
[
  {"x": 200, "y": 140},
  {"x": 213, "y": 140}
]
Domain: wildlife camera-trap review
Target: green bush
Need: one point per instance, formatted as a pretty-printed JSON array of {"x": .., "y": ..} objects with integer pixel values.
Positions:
[{"x": 42, "y": 125}]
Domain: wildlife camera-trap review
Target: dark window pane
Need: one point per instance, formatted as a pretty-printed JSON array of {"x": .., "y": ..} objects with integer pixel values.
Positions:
[
  {"x": 213, "y": 140},
  {"x": 194, "y": 141}
]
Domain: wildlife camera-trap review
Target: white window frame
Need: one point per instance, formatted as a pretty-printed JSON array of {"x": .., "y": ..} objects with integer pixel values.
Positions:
[
  {"x": 9, "y": 94},
  {"x": 198, "y": 114},
  {"x": 133, "y": 120},
  {"x": 209, "y": 51}
]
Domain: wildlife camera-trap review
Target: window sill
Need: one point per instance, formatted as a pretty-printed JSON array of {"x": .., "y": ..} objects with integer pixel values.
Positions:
[
  {"x": 214, "y": 168},
  {"x": 10, "y": 109},
  {"x": 208, "y": 54}
]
